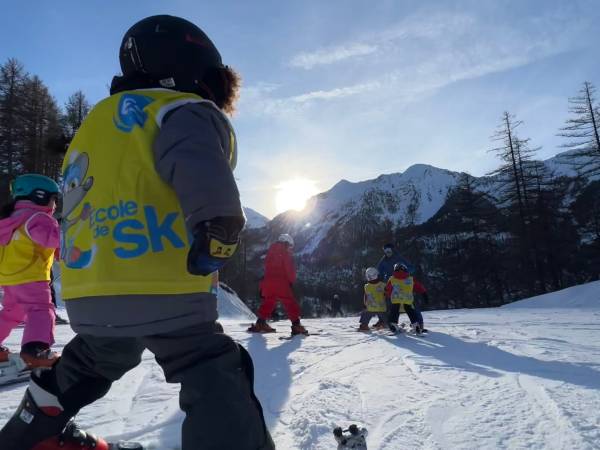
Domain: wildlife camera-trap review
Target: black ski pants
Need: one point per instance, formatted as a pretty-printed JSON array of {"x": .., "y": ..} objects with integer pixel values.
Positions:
[
  {"x": 216, "y": 376},
  {"x": 366, "y": 316},
  {"x": 410, "y": 310}
]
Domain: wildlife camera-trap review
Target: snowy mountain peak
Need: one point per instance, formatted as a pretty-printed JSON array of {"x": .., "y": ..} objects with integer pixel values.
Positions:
[
  {"x": 254, "y": 219},
  {"x": 402, "y": 198}
]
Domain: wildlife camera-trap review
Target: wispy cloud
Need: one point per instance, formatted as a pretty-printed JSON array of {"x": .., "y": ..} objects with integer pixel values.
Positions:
[
  {"x": 263, "y": 99},
  {"x": 336, "y": 93},
  {"x": 417, "y": 27},
  {"x": 420, "y": 55},
  {"x": 325, "y": 56}
]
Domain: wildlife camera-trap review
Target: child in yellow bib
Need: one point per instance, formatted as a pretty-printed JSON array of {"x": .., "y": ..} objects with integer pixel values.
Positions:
[
  {"x": 400, "y": 289},
  {"x": 374, "y": 300},
  {"x": 29, "y": 237}
]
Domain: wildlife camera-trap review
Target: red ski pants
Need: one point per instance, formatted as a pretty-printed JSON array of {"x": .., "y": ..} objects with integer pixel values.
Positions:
[{"x": 289, "y": 303}]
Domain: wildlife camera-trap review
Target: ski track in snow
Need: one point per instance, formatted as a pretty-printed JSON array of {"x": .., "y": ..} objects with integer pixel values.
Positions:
[{"x": 483, "y": 379}]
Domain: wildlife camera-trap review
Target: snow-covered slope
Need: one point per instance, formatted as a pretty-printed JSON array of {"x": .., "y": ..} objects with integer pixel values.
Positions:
[
  {"x": 254, "y": 219},
  {"x": 585, "y": 296},
  {"x": 407, "y": 198},
  {"x": 422, "y": 186},
  {"x": 562, "y": 164},
  {"x": 230, "y": 306},
  {"x": 505, "y": 378}
]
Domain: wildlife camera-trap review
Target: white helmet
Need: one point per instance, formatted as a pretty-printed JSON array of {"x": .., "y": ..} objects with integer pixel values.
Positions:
[
  {"x": 371, "y": 274},
  {"x": 286, "y": 238}
]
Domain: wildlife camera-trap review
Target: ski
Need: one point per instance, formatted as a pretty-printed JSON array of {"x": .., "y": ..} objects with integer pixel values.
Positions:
[
  {"x": 123, "y": 445},
  {"x": 423, "y": 334},
  {"x": 11, "y": 372},
  {"x": 292, "y": 336}
]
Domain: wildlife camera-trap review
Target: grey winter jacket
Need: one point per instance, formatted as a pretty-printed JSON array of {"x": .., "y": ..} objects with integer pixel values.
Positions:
[{"x": 192, "y": 155}]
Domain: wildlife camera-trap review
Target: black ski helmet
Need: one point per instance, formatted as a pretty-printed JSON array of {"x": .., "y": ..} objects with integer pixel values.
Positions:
[
  {"x": 165, "y": 51},
  {"x": 400, "y": 267}
]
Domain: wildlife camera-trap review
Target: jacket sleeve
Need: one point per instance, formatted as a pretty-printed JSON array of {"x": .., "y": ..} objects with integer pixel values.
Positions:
[
  {"x": 388, "y": 289},
  {"x": 44, "y": 231},
  {"x": 191, "y": 154},
  {"x": 290, "y": 268},
  {"x": 380, "y": 268},
  {"x": 418, "y": 287}
]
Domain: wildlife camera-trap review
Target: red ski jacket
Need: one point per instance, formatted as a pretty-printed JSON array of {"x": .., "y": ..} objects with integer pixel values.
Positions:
[
  {"x": 280, "y": 272},
  {"x": 417, "y": 286}
]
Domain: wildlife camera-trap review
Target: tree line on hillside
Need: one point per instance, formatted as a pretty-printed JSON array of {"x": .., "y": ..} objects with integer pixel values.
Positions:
[
  {"x": 534, "y": 232},
  {"x": 518, "y": 232},
  {"x": 34, "y": 130}
]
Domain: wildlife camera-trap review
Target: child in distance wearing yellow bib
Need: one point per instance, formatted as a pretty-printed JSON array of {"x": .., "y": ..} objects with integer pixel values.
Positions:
[{"x": 374, "y": 300}]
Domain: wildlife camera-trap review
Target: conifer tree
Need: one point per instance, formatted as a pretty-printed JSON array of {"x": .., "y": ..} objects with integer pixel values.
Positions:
[
  {"x": 12, "y": 82},
  {"x": 583, "y": 132},
  {"x": 76, "y": 108}
]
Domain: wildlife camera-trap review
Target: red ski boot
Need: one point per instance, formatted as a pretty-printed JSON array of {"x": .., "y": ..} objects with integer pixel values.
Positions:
[
  {"x": 261, "y": 326},
  {"x": 72, "y": 438},
  {"x": 297, "y": 328},
  {"x": 379, "y": 325},
  {"x": 40, "y": 423}
]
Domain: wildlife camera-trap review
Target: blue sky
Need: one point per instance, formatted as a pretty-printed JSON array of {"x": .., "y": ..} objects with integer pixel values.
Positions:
[{"x": 345, "y": 89}]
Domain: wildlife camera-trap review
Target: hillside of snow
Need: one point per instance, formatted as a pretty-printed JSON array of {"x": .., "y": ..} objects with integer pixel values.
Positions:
[
  {"x": 562, "y": 164},
  {"x": 585, "y": 296},
  {"x": 504, "y": 378},
  {"x": 230, "y": 306},
  {"x": 411, "y": 197},
  {"x": 254, "y": 219},
  {"x": 406, "y": 198}
]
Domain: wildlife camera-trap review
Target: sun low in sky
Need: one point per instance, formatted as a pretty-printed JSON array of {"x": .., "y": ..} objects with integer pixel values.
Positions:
[{"x": 293, "y": 194}]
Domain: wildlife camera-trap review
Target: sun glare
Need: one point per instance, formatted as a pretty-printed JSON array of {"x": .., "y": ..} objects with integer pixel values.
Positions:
[{"x": 293, "y": 194}]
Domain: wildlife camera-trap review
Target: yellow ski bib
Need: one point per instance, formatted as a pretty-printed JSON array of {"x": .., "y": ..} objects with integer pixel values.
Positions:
[
  {"x": 123, "y": 228},
  {"x": 402, "y": 290},
  {"x": 375, "y": 297},
  {"x": 24, "y": 261}
]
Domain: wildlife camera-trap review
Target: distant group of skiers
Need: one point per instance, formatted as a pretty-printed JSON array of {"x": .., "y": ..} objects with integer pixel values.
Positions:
[{"x": 389, "y": 290}]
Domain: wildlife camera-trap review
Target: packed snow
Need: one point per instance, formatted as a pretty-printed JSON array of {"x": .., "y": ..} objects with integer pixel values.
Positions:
[{"x": 524, "y": 376}]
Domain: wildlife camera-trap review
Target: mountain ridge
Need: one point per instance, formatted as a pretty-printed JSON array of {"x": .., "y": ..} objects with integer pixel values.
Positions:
[{"x": 404, "y": 198}]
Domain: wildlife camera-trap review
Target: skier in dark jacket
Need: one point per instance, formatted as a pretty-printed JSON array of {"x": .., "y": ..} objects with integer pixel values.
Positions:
[
  {"x": 150, "y": 172},
  {"x": 390, "y": 258},
  {"x": 336, "y": 306}
]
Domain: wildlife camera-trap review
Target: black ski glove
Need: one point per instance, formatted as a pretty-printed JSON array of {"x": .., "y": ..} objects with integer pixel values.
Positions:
[
  {"x": 425, "y": 297},
  {"x": 215, "y": 241}
]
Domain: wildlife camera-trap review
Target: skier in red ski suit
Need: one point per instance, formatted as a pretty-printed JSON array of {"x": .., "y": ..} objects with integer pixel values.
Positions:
[{"x": 280, "y": 275}]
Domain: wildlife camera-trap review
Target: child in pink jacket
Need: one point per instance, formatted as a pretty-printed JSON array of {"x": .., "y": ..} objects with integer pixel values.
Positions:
[{"x": 29, "y": 238}]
